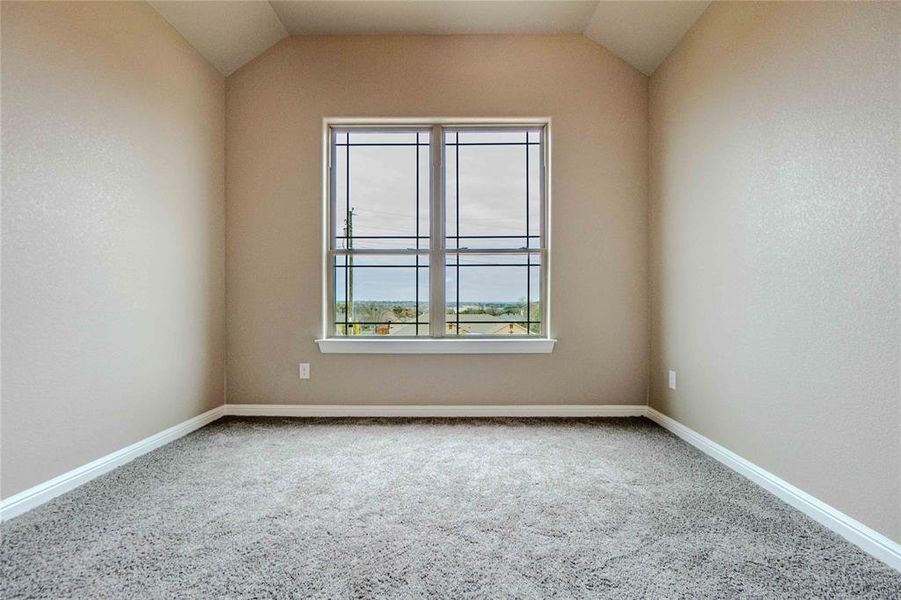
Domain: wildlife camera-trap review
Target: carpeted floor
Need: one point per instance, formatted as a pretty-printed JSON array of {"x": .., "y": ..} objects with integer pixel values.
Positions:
[{"x": 366, "y": 508}]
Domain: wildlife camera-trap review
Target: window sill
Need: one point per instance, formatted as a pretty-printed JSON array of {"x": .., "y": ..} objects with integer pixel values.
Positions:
[{"x": 436, "y": 346}]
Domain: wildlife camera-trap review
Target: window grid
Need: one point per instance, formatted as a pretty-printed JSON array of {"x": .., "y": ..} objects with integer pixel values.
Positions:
[
  {"x": 437, "y": 279},
  {"x": 416, "y": 272},
  {"x": 349, "y": 238},
  {"x": 457, "y": 228},
  {"x": 528, "y": 256}
]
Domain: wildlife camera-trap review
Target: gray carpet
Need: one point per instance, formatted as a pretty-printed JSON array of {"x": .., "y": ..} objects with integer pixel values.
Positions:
[{"x": 366, "y": 508}]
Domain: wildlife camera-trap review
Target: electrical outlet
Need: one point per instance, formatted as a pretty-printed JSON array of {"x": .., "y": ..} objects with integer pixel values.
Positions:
[
  {"x": 672, "y": 379},
  {"x": 304, "y": 370}
]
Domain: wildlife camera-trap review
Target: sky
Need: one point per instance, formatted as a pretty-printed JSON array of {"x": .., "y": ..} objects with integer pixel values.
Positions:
[{"x": 492, "y": 201}]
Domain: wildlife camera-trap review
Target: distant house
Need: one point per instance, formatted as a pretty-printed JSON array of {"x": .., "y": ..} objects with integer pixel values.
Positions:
[
  {"x": 473, "y": 324},
  {"x": 482, "y": 324},
  {"x": 389, "y": 316}
]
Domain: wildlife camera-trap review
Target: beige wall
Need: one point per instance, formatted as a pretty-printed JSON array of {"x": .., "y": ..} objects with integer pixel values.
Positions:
[
  {"x": 775, "y": 244},
  {"x": 275, "y": 107},
  {"x": 113, "y": 234}
]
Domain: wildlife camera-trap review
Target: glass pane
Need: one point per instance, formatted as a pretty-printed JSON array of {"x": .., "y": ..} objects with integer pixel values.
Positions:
[
  {"x": 493, "y": 189},
  {"x": 381, "y": 189},
  {"x": 535, "y": 181},
  {"x": 495, "y": 136},
  {"x": 381, "y": 295},
  {"x": 493, "y": 294},
  {"x": 366, "y": 136}
]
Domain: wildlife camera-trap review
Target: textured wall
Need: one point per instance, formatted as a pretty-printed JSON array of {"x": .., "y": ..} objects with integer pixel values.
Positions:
[
  {"x": 113, "y": 233},
  {"x": 775, "y": 244},
  {"x": 274, "y": 196}
]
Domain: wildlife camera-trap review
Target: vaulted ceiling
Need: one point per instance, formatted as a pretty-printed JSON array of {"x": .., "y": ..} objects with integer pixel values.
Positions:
[{"x": 231, "y": 33}]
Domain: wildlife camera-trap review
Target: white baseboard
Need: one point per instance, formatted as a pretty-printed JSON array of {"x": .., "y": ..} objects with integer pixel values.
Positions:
[
  {"x": 521, "y": 410},
  {"x": 868, "y": 540},
  {"x": 39, "y": 494},
  {"x": 855, "y": 532}
]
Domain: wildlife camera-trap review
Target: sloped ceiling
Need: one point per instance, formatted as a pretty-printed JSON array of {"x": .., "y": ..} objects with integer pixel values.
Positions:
[
  {"x": 642, "y": 33},
  {"x": 435, "y": 16},
  {"x": 230, "y": 33}
]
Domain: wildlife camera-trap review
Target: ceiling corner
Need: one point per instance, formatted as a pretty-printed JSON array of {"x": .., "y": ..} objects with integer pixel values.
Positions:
[
  {"x": 228, "y": 34},
  {"x": 643, "y": 33}
]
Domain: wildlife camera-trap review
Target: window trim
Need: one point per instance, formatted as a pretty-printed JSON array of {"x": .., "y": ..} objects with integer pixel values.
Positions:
[{"x": 437, "y": 341}]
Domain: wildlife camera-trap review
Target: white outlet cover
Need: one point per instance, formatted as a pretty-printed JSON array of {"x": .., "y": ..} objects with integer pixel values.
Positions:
[
  {"x": 672, "y": 380},
  {"x": 304, "y": 370}
]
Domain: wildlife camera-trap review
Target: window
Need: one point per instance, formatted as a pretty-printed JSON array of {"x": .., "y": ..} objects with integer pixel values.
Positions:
[{"x": 436, "y": 231}]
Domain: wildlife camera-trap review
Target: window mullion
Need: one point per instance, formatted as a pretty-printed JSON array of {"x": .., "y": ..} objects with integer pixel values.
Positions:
[
  {"x": 379, "y": 251},
  {"x": 328, "y": 325},
  {"x": 498, "y": 251},
  {"x": 437, "y": 312},
  {"x": 544, "y": 231}
]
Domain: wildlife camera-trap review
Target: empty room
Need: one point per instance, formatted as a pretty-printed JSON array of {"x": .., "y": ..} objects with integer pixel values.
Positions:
[{"x": 450, "y": 299}]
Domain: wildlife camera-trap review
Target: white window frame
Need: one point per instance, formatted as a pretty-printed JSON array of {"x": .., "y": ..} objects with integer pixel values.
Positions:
[{"x": 437, "y": 342}]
